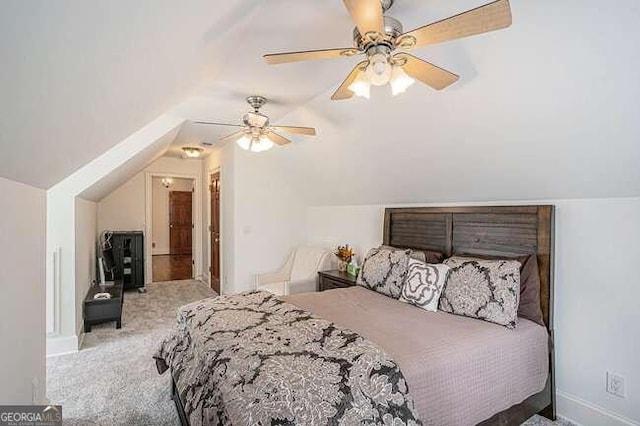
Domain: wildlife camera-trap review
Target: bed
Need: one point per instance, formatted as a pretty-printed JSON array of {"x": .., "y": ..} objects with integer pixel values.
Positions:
[{"x": 459, "y": 370}]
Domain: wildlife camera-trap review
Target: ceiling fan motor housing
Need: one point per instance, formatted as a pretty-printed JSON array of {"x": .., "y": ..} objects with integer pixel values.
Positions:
[
  {"x": 392, "y": 30},
  {"x": 255, "y": 119}
]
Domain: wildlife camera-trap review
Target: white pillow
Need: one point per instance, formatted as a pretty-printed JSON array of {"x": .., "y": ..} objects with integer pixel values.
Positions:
[{"x": 424, "y": 284}]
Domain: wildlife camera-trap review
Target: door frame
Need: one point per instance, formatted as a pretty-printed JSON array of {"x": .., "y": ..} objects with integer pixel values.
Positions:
[
  {"x": 209, "y": 173},
  {"x": 197, "y": 222}
]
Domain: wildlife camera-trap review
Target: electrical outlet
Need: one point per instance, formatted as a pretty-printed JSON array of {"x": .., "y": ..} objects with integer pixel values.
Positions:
[{"x": 615, "y": 384}]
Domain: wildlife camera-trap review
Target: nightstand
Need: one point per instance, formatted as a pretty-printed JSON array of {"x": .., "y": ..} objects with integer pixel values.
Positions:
[{"x": 335, "y": 279}]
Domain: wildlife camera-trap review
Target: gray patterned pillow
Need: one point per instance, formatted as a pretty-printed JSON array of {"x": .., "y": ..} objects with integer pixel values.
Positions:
[
  {"x": 483, "y": 289},
  {"x": 417, "y": 255},
  {"x": 424, "y": 284},
  {"x": 384, "y": 271}
]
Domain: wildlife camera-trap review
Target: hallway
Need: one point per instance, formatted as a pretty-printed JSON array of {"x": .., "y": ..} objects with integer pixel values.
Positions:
[{"x": 172, "y": 267}]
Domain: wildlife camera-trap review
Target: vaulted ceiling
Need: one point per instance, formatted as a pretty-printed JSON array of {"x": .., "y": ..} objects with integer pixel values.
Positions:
[{"x": 543, "y": 109}]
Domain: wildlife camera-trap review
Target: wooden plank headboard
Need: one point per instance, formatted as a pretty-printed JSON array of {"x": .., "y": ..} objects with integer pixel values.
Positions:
[{"x": 495, "y": 231}]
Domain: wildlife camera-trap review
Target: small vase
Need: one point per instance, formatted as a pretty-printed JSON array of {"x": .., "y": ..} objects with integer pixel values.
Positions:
[{"x": 342, "y": 266}]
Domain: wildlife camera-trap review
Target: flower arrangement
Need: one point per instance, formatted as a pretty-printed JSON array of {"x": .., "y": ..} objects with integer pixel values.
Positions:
[{"x": 344, "y": 253}]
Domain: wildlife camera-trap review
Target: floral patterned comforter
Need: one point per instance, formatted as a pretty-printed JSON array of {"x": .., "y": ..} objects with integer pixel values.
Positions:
[{"x": 253, "y": 359}]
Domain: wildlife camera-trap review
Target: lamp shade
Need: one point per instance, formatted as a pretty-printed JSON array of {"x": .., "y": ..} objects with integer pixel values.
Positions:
[
  {"x": 361, "y": 86},
  {"x": 244, "y": 142},
  {"x": 261, "y": 144},
  {"x": 400, "y": 81}
]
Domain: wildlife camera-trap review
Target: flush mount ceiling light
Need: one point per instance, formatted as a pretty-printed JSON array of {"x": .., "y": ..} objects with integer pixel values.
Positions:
[
  {"x": 192, "y": 151},
  {"x": 256, "y": 134},
  {"x": 378, "y": 36}
]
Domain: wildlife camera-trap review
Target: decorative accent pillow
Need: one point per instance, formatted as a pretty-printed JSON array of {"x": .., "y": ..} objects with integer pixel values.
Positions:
[
  {"x": 485, "y": 289},
  {"x": 529, "y": 306},
  {"x": 424, "y": 284},
  {"x": 428, "y": 256},
  {"x": 433, "y": 256},
  {"x": 417, "y": 255},
  {"x": 384, "y": 271}
]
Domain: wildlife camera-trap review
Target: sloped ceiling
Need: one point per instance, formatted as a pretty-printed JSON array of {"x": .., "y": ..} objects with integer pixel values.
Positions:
[
  {"x": 77, "y": 77},
  {"x": 544, "y": 109},
  {"x": 130, "y": 168}
]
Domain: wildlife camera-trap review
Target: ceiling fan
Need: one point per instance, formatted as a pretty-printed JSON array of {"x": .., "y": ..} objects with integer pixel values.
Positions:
[
  {"x": 379, "y": 36},
  {"x": 256, "y": 134}
]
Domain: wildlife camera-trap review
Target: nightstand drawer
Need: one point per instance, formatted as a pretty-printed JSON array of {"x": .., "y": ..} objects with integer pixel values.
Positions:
[{"x": 334, "y": 279}]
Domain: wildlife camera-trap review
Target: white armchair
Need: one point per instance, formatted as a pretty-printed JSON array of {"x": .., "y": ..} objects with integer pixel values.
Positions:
[{"x": 299, "y": 274}]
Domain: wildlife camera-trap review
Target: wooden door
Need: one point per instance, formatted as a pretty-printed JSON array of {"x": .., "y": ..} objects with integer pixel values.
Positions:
[
  {"x": 180, "y": 222},
  {"x": 214, "y": 229}
]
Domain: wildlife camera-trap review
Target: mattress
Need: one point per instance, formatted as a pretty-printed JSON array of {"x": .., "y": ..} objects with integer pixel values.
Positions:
[{"x": 460, "y": 371}]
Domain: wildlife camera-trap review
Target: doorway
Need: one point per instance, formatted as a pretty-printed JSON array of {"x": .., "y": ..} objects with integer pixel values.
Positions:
[
  {"x": 172, "y": 228},
  {"x": 214, "y": 230}
]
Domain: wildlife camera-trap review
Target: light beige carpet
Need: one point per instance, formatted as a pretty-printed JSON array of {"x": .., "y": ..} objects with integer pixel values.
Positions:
[{"x": 112, "y": 380}]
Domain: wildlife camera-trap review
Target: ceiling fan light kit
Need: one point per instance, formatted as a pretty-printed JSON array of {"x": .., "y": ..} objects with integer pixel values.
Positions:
[
  {"x": 255, "y": 144},
  {"x": 378, "y": 36},
  {"x": 400, "y": 81}
]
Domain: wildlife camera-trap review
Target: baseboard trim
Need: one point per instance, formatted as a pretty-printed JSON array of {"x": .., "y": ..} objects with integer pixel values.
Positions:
[
  {"x": 585, "y": 413},
  {"x": 81, "y": 338},
  {"x": 60, "y": 345}
]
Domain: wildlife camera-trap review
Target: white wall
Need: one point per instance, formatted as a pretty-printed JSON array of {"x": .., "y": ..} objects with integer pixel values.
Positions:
[
  {"x": 261, "y": 215},
  {"x": 160, "y": 211},
  {"x": 597, "y": 320},
  {"x": 22, "y": 288},
  {"x": 124, "y": 209},
  {"x": 269, "y": 217},
  {"x": 86, "y": 240}
]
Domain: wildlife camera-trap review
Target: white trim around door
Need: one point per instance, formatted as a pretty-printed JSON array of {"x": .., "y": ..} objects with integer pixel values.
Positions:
[
  {"x": 197, "y": 222},
  {"x": 211, "y": 172}
]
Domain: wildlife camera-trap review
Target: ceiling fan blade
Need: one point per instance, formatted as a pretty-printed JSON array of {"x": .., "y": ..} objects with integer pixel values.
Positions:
[
  {"x": 277, "y": 139},
  {"x": 426, "y": 72},
  {"x": 308, "y": 55},
  {"x": 367, "y": 15},
  {"x": 218, "y": 124},
  {"x": 343, "y": 91},
  {"x": 232, "y": 136},
  {"x": 490, "y": 17},
  {"x": 308, "y": 131}
]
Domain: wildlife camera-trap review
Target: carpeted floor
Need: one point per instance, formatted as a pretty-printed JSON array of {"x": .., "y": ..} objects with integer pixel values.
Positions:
[{"x": 113, "y": 380}]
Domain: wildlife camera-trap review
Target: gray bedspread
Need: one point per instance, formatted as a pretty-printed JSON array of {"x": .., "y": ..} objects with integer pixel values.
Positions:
[{"x": 253, "y": 359}]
